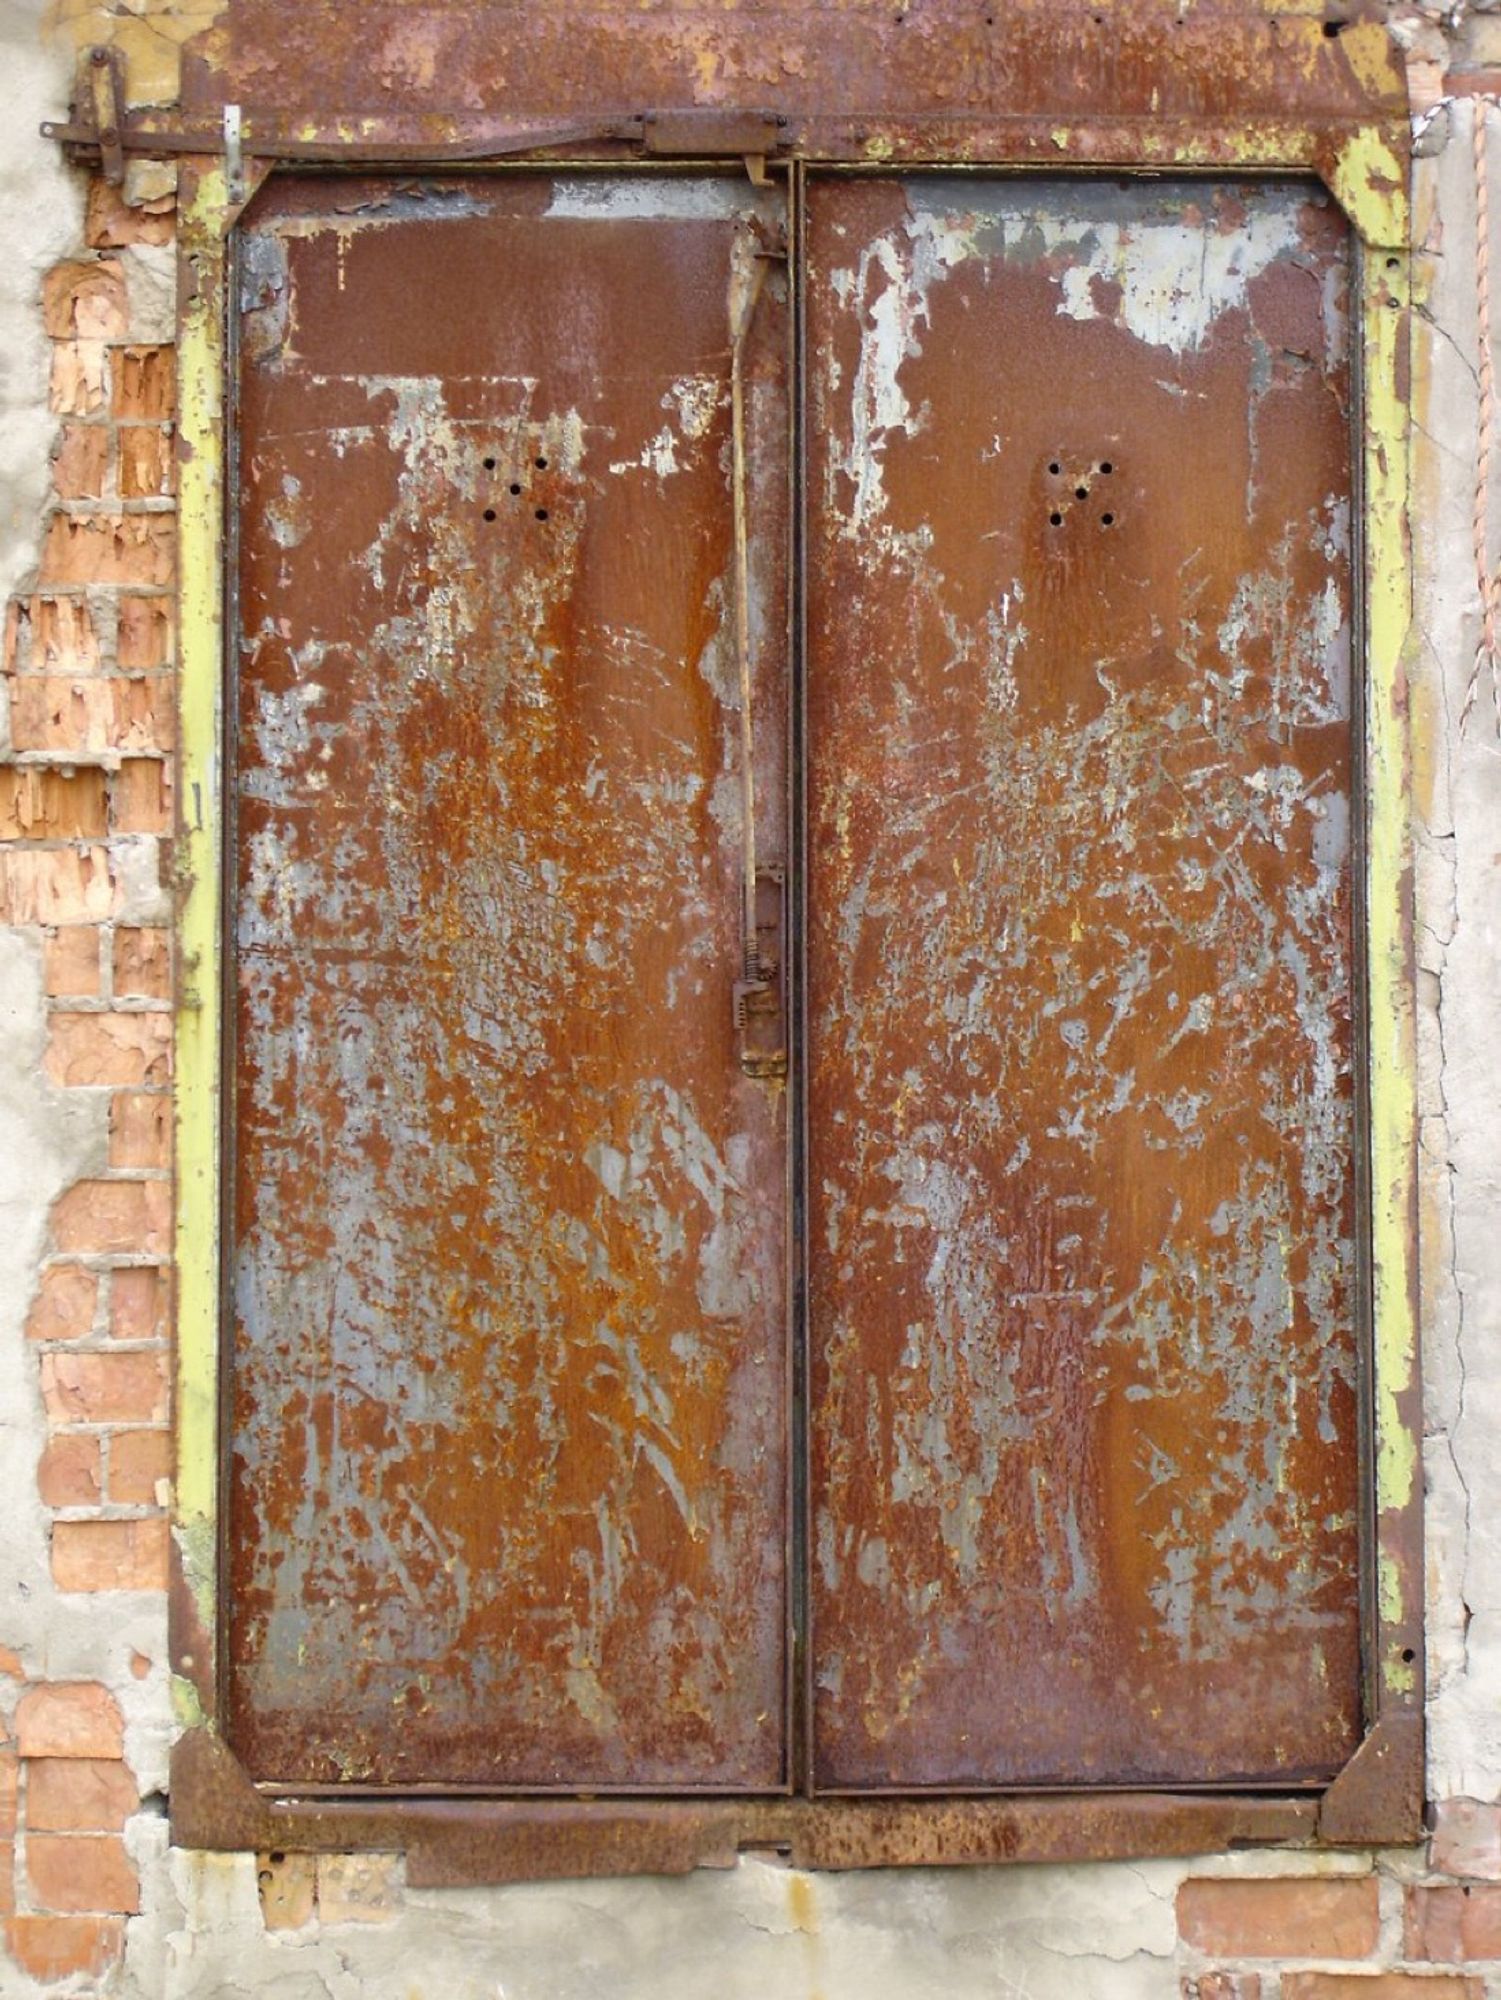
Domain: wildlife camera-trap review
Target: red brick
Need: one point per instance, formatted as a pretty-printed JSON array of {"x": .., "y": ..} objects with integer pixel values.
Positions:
[
  {"x": 56, "y": 635},
  {"x": 79, "y": 1795},
  {"x": 1480, "y": 1921},
  {"x": 148, "y": 463},
  {"x": 80, "y": 463},
  {"x": 127, "y": 1387},
  {"x": 70, "y": 1473},
  {"x": 55, "y": 885},
  {"x": 109, "y": 548},
  {"x": 109, "y": 1555},
  {"x": 70, "y": 963},
  {"x": 140, "y": 1133},
  {"x": 78, "y": 1872},
  {"x": 137, "y": 1301},
  {"x": 85, "y": 299},
  {"x": 143, "y": 964},
  {"x": 80, "y": 378},
  {"x": 51, "y": 1949},
  {"x": 37, "y": 803},
  {"x": 111, "y": 225},
  {"x": 145, "y": 713},
  {"x": 54, "y": 712},
  {"x": 63, "y": 1308},
  {"x": 69, "y": 1719},
  {"x": 1299, "y": 1917},
  {"x": 145, "y": 382},
  {"x": 145, "y": 637},
  {"x": 1379, "y": 1986},
  {"x": 1430, "y": 1923},
  {"x": 109, "y": 1048},
  {"x": 1221, "y": 1986},
  {"x": 139, "y": 1464},
  {"x": 1467, "y": 1839},
  {"x": 142, "y": 797}
]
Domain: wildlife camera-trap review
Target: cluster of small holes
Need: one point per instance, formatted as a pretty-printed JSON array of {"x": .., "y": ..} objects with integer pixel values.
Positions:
[
  {"x": 515, "y": 489},
  {"x": 1103, "y": 468}
]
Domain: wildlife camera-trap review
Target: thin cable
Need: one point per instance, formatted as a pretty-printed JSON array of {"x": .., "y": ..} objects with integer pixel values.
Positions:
[{"x": 1488, "y": 581}]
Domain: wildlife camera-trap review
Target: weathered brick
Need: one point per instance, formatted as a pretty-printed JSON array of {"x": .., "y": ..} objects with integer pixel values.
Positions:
[
  {"x": 7, "y": 1877},
  {"x": 10, "y": 1779},
  {"x": 148, "y": 463},
  {"x": 80, "y": 378},
  {"x": 143, "y": 964},
  {"x": 145, "y": 633},
  {"x": 57, "y": 635},
  {"x": 64, "y": 1306},
  {"x": 138, "y": 1298},
  {"x": 109, "y": 1048},
  {"x": 111, "y": 225},
  {"x": 57, "y": 885},
  {"x": 40, "y": 803},
  {"x": 69, "y": 1719},
  {"x": 358, "y": 1888},
  {"x": 145, "y": 713},
  {"x": 112, "y": 1388},
  {"x": 145, "y": 383},
  {"x": 1221, "y": 1986},
  {"x": 140, "y": 1464},
  {"x": 70, "y": 1472},
  {"x": 137, "y": 549},
  {"x": 1467, "y": 1839},
  {"x": 51, "y": 1949},
  {"x": 85, "y": 299},
  {"x": 77, "y": 1872},
  {"x": 79, "y": 1795},
  {"x": 1431, "y": 1923},
  {"x": 140, "y": 1132},
  {"x": 70, "y": 962},
  {"x": 110, "y": 1555},
  {"x": 1379, "y": 1986},
  {"x": 81, "y": 462},
  {"x": 287, "y": 1884},
  {"x": 60, "y": 712},
  {"x": 1299, "y": 1917},
  {"x": 142, "y": 796}
]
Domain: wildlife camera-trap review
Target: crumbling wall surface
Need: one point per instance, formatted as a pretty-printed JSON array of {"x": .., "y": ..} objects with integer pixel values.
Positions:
[{"x": 92, "y": 1898}]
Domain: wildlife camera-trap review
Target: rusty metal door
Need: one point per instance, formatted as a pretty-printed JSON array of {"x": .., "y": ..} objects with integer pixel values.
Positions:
[
  {"x": 1081, "y": 1141},
  {"x": 507, "y": 1497}
]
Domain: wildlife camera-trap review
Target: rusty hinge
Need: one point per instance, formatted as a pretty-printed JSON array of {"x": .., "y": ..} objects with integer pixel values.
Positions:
[{"x": 752, "y": 136}]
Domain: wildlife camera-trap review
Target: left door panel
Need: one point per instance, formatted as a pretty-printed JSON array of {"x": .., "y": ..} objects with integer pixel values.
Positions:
[{"x": 507, "y": 1347}]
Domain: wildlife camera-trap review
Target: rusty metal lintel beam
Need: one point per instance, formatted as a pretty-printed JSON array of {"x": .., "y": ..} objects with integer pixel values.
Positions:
[{"x": 458, "y": 1841}]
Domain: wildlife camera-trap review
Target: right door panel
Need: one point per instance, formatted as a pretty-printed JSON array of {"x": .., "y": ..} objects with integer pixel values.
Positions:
[{"x": 1083, "y": 1419}]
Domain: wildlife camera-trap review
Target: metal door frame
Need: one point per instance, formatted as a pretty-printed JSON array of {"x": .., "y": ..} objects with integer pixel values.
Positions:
[{"x": 1358, "y": 148}]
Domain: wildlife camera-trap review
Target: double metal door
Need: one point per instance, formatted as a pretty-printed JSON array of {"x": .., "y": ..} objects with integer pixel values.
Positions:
[{"x": 794, "y": 1102}]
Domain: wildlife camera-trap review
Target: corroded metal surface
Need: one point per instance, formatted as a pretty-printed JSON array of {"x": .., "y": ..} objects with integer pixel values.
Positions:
[
  {"x": 508, "y": 1400},
  {"x": 1082, "y": 1330}
]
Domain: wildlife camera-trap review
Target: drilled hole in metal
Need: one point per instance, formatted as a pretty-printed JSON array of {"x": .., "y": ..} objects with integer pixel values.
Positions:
[
  {"x": 489, "y": 465},
  {"x": 541, "y": 513},
  {"x": 1106, "y": 466},
  {"x": 515, "y": 488},
  {"x": 1408, "y": 1656},
  {"x": 1056, "y": 519},
  {"x": 541, "y": 464},
  {"x": 1081, "y": 492},
  {"x": 1107, "y": 520},
  {"x": 1055, "y": 466},
  {"x": 489, "y": 513}
]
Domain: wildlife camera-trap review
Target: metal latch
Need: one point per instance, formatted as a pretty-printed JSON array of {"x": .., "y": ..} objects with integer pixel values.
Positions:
[{"x": 760, "y": 997}]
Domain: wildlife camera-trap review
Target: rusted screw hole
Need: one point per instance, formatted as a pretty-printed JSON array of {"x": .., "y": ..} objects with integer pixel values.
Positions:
[
  {"x": 489, "y": 465},
  {"x": 489, "y": 513},
  {"x": 1081, "y": 492},
  {"x": 1055, "y": 466},
  {"x": 1106, "y": 466},
  {"x": 1107, "y": 520},
  {"x": 1408, "y": 1656},
  {"x": 541, "y": 464},
  {"x": 541, "y": 513},
  {"x": 1056, "y": 519},
  {"x": 515, "y": 487}
]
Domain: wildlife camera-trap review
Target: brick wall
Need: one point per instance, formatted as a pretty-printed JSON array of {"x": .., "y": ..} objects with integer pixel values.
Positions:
[{"x": 85, "y": 813}]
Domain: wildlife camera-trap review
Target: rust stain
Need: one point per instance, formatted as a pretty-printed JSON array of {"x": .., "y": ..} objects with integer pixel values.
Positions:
[
  {"x": 509, "y": 1365},
  {"x": 1083, "y": 1418}
]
